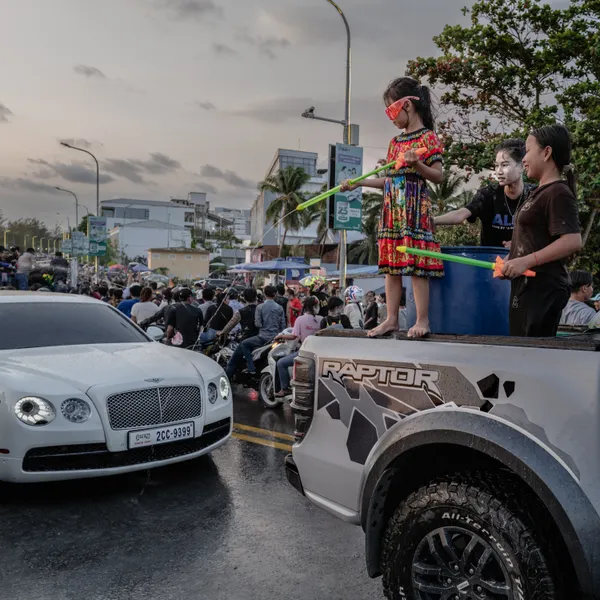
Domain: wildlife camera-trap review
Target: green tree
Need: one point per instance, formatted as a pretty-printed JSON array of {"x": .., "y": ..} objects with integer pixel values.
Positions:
[
  {"x": 366, "y": 251},
  {"x": 29, "y": 227},
  {"x": 83, "y": 225},
  {"x": 287, "y": 185},
  {"x": 226, "y": 238},
  {"x": 444, "y": 195}
]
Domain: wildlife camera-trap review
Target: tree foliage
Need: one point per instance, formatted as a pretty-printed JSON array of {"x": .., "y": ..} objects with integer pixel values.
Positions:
[
  {"x": 29, "y": 227},
  {"x": 287, "y": 185}
]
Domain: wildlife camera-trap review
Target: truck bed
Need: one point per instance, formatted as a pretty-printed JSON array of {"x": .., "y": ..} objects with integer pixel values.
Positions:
[{"x": 586, "y": 342}]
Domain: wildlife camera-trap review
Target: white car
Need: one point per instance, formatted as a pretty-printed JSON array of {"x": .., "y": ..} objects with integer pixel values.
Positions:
[{"x": 84, "y": 392}]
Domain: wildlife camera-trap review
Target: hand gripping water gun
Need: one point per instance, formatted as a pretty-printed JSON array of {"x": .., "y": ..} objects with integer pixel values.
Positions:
[
  {"x": 495, "y": 266},
  {"x": 397, "y": 164}
]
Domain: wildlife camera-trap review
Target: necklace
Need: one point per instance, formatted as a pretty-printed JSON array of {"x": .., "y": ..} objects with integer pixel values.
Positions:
[{"x": 520, "y": 199}]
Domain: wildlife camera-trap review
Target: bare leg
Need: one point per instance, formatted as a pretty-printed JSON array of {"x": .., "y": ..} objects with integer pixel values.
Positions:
[
  {"x": 393, "y": 293},
  {"x": 421, "y": 292}
]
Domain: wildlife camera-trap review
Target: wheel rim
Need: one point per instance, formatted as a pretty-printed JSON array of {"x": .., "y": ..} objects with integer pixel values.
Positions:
[
  {"x": 455, "y": 563},
  {"x": 266, "y": 390}
]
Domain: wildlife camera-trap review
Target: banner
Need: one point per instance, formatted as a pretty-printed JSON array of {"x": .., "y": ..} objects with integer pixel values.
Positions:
[
  {"x": 97, "y": 236},
  {"x": 347, "y": 211},
  {"x": 66, "y": 246},
  {"x": 80, "y": 243}
]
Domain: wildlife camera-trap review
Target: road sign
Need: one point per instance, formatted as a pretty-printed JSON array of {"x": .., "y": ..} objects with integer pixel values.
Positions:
[
  {"x": 346, "y": 210},
  {"x": 66, "y": 246},
  {"x": 80, "y": 243},
  {"x": 97, "y": 236}
]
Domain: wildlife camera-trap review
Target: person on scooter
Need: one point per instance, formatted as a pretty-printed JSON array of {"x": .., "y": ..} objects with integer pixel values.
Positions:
[
  {"x": 336, "y": 319},
  {"x": 308, "y": 324},
  {"x": 270, "y": 320},
  {"x": 244, "y": 316},
  {"x": 217, "y": 316}
]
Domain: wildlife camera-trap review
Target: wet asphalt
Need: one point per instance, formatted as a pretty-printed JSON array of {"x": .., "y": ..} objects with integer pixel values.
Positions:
[{"x": 226, "y": 526}]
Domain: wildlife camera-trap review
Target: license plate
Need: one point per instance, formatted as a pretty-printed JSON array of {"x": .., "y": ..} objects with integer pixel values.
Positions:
[{"x": 160, "y": 435}]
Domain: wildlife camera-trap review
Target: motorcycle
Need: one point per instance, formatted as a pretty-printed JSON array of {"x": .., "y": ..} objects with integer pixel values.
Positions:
[{"x": 269, "y": 379}]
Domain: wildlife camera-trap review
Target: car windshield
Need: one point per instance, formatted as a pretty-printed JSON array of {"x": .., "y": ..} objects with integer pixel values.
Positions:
[{"x": 43, "y": 324}]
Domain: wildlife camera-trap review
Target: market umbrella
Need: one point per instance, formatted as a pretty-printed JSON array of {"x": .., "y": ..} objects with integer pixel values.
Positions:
[
  {"x": 311, "y": 280},
  {"x": 140, "y": 268},
  {"x": 116, "y": 268}
]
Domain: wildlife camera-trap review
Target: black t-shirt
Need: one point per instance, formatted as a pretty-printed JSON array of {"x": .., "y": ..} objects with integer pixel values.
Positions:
[
  {"x": 247, "y": 314},
  {"x": 282, "y": 301},
  {"x": 341, "y": 319},
  {"x": 218, "y": 318},
  {"x": 186, "y": 319},
  {"x": 323, "y": 302},
  {"x": 496, "y": 211},
  {"x": 371, "y": 313},
  {"x": 549, "y": 213}
]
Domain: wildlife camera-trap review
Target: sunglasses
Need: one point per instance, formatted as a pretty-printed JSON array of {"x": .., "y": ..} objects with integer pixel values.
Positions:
[{"x": 393, "y": 110}]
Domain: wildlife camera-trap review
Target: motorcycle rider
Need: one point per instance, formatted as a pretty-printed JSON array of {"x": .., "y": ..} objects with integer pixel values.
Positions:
[
  {"x": 336, "y": 319},
  {"x": 270, "y": 320},
  {"x": 354, "y": 296},
  {"x": 308, "y": 324},
  {"x": 244, "y": 316}
]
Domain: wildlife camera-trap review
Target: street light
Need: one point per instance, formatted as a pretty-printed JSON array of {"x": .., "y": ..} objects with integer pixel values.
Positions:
[
  {"x": 6, "y": 232},
  {"x": 76, "y": 202},
  {"x": 33, "y": 241},
  {"x": 42, "y": 243},
  {"x": 25, "y": 241},
  {"x": 310, "y": 114}
]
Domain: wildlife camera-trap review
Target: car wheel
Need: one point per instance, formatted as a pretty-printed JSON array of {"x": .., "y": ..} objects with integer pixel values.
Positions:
[
  {"x": 460, "y": 539},
  {"x": 267, "y": 393}
]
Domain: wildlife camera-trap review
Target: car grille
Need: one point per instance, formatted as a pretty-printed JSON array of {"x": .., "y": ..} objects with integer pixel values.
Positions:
[
  {"x": 153, "y": 406},
  {"x": 86, "y": 457}
]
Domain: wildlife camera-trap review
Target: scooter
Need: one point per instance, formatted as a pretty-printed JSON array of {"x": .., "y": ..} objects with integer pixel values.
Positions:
[{"x": 269, "y": 379}]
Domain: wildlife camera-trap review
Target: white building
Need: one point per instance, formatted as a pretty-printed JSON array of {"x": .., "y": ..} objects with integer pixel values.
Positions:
[
  {"x": 259, "y": 225},
  {"x": 239, "y": 218},
  {"x": 136, "y": 238}
]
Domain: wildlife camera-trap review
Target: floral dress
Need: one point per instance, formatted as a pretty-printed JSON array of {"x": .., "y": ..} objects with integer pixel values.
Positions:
[{"x": 407, "y": 213}]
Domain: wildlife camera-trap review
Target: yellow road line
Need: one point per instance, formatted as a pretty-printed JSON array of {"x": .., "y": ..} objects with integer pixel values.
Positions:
[
  {"x": 277, "y": 434},
  {"x": 271, "y": 444}
]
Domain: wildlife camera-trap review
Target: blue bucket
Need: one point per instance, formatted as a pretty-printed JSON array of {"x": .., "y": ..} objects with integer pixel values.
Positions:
[{"x": 467, "y": 300}]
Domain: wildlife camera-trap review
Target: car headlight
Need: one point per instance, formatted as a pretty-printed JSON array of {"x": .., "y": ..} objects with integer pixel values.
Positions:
[
  {"x": 224, "y": 386},
  {"x": 212, "y": 393},
  {"x": 76, "y": 410},
  {"x": 34, "y": 411}
]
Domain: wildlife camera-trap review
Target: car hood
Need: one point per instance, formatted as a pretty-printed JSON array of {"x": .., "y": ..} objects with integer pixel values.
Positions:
[{"x": 86, "y": 366}]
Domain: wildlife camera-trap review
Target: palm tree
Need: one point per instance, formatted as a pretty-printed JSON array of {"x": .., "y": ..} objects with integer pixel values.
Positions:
[
  {"x": 366, "y": 250},
  {"x": 444, "y": 195},
  {"x": 286, "y": 184},
  {"x": 317, "y": 213}
]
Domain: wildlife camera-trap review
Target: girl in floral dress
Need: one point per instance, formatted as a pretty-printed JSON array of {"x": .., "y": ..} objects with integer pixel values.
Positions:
[{"x": 407, "y": 215}]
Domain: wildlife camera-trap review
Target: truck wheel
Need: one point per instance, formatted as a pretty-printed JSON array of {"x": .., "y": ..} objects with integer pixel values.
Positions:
[
  {"x": 266, "y": 392},
  {"x": 457, "y": 538}
]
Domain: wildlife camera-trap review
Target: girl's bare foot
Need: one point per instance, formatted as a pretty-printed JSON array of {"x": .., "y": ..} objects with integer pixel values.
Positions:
[
  {"x": 386, "y": 327},
  {"x": 419, "y": 329}
]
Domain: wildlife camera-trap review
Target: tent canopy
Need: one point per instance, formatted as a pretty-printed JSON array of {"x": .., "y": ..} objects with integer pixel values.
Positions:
[{"x": 279, "y": 264}]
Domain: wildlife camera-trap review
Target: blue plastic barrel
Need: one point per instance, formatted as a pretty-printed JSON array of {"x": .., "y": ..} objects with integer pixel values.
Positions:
[{"x": 467, "y": 300}]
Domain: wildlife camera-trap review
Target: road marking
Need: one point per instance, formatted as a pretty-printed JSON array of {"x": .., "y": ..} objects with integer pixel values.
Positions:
[
  {"x": 270, "y": 433},
  {"x": 271, "y": 444}
]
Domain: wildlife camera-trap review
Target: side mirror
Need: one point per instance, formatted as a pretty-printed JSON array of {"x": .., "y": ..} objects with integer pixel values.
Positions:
[{"x": 156, "y": 333}]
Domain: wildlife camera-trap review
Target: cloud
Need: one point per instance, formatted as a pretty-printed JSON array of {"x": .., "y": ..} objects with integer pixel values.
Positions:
[
  {"x": 229, "y": 177},
  {"x": 74, "y": 172},
  {"x": 192, "y": 9},
  {"x": 88, "y": 71},
  {"x": 277, "y": 110},
  {"x": 204, "y": 187},
  {"x": 223, "y": 49},
  {"x": 80, "y": 142},
  {"x": 266, "y": 45},
  {"x": 135, "y": 169},
  {"x": 26, "y": 185},
  {"x": 206, "y": 105},
  {"x": 5, "y": 112}
]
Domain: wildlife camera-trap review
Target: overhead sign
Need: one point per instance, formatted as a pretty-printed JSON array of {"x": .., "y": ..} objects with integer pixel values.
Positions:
[
  {"x": 97, "y": 235},
  {"x": 347, "y": 207}
]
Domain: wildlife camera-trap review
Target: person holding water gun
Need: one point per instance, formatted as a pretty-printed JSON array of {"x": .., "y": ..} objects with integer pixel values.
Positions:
[{"x": 407, "y": 216}]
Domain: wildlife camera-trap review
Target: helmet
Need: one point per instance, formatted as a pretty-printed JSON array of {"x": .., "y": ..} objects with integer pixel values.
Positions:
[{"x": 354, "y": 293}]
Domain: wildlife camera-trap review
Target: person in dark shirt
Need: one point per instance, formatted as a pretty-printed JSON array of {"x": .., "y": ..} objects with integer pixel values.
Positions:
[
  {"x": 217, "y": 316},
  {"x": 547, "y": 232},
  {"x": 372, "y": 311},
  {"x": 336, "y": 319},
  {"x": 186, "y": 319},
  {"x": 496, "y": 205},
  {"x": 245, "y": 317},
  {"x": 281, "y": 298},
  {"x": 59, "y": 261}
]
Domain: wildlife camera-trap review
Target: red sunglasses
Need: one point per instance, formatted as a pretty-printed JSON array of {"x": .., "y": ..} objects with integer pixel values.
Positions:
[{"x": 393, "y": 110}]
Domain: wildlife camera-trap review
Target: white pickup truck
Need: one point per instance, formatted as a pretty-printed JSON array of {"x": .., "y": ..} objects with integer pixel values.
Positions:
[{"x": 471, "y": 463}]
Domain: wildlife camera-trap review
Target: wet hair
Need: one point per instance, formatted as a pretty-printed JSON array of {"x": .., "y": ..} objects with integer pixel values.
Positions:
[
  {"x": 208, "y": 294},
  {"x": 334, "y": 302},
  {"x": 515, "y": 148},
  {"x": 116, "y": 293},
  {"x": 407, "y": 86},
  {"x": 135, "y": 290},
  {"x": 249, "y": 295},
  {"x": 310, "y": 305},
  {"x": 176, "y": 295},
  {"x": 383, "y": 296},
  {"x": 557, "y": 137},
  {"x": 103, "y": 289},
  {"x": 281, "y": 289},
  {"x": 290, "y": 292},
  {"x": 270, "y": 291},
  {"x": 146, "y": 295},
  {"x": 220, "y": 299},
  {"x": 185, "y": 294},
  {"x": 167, "y": 295},
  {"x": 579, "y": 279}
]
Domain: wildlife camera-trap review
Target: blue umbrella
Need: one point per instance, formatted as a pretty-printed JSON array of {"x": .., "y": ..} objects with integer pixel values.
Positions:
[{"x": 140, "y": 269}]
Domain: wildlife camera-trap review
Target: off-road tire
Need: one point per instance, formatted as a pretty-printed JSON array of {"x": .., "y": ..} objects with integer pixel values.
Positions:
[{"x": 451, "y": 505}]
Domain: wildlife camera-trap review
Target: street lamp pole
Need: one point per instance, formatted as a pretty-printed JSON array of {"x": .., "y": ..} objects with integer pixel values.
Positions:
[
  {"x": 76, "y": 203},
  {"x": 6, "y": 232}
]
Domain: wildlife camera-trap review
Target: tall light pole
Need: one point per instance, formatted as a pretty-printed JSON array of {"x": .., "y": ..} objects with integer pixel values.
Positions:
[
  {"x": 33, "y": 241},
  {"x": 76, "y": 202},
  {"x": 97, "y": 185},
  {"x": 42, "y": 243},
  {"x": 6, "y": 232},
  {"x": 310, "y": 114},
  {"x": 25, "y": 241}
]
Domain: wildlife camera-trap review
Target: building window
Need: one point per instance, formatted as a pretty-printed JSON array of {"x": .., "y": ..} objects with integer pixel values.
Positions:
[
  {"x": 189, "y": 217},
  {"x": 108, "y": 212},
  {"x": 138, "y": 214},
  {"x": 157, "y": 256},
  {"x": 188, "y": 257},
  {"x": 171, "y": 257}
]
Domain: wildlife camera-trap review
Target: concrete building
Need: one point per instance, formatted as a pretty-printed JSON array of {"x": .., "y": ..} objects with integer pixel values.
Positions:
[
  {"x": 258, "y": 214},
  {"x": 229, "y": 256},
  {"x": 184, "y": 263},
  {"x": 134, "y": 239},
  {"x": 240, "y": 221}
]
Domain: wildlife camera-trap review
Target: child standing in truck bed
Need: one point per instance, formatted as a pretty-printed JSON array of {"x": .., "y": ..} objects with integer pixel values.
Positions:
[{"x": 407, "y": 213}]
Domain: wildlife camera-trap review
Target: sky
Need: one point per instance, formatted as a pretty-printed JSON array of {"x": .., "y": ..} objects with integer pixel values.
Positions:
[{"x": 177, "y": 96}]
